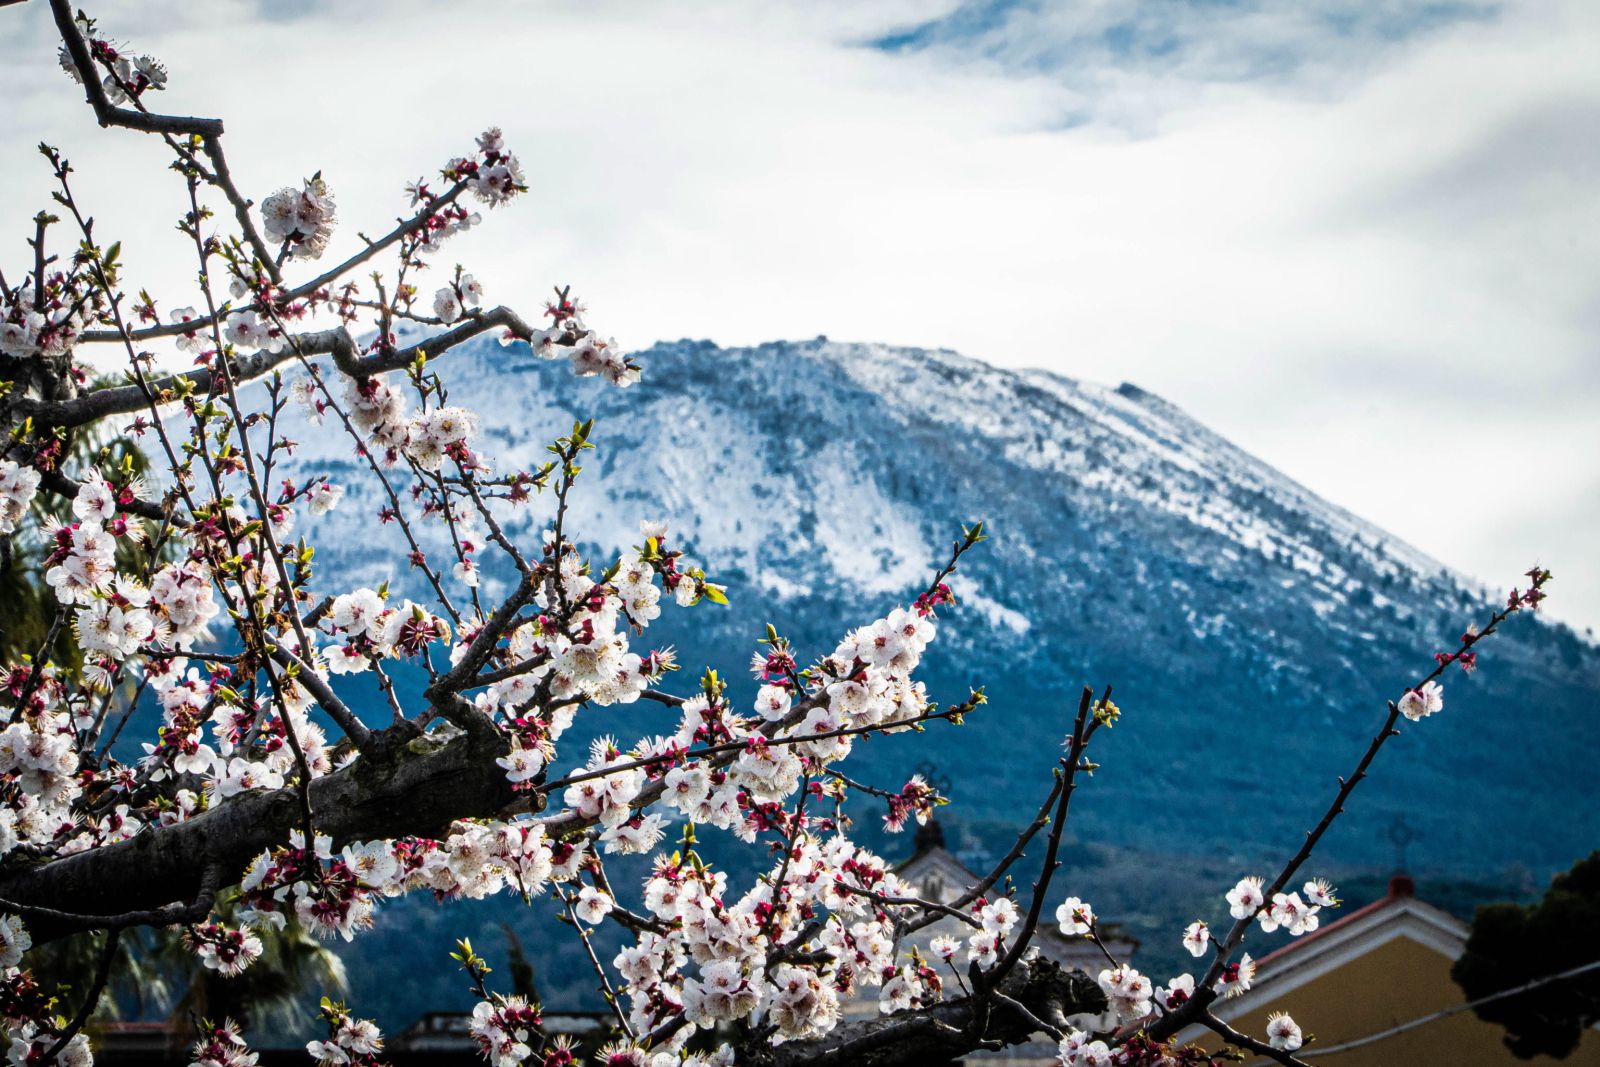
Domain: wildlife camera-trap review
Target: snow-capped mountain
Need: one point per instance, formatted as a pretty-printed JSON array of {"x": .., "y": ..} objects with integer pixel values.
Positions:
[{"x": 1252, "y": 630}]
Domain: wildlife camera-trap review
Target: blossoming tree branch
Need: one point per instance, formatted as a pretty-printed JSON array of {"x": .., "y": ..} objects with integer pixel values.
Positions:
[{"x": 189, "y": 597}]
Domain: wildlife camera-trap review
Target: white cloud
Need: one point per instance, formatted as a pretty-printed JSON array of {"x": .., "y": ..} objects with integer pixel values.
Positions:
[{"x": 1385, "y": 288}]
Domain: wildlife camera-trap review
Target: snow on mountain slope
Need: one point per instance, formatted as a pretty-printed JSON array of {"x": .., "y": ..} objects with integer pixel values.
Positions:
[
  {"x": 1246, "y": 623},
  {"x": 1123, "y": 441},
  {"x": 1123, "y": 445}
]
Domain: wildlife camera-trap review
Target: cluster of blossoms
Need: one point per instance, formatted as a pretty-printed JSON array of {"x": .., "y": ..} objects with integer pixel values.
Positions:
[
  {"x": 31, "y": 1043},
  {"x": 996, "y": 919},
  {"x": 118, "y": 615},
  {"x": 228, "y": 952},
  {"x": 116, "y": 623},
  {"x": 50, "y": 327},
  {"x": 128, "y": 76},
  {"x": 260, "y": 323},
  {"x": 181, "y": 593},
  {"x": 502, "y": 1028},
  {"x": 366, "y": 628},
  {"x": 1079, "y": 1050},
  {"x": 442, "y": 225},
  {"x": 868, "y": 682},
  {"x": 253, "y": 326},
  {"x": 1287, "y": 910},
  {"x": 609, "y": 797},
  {"x": 301, "y": 219},
  {"x": 336, "y": 894},
  {"x": 83, "y": 561},
  {"x": 587, "y": 658},
  {"x": 27, "y": 1011},
  {"x": 222, "y": 1046},
  {"x": 730, "y": 943},
  {"x": 1127, "y": 992},
  {"x": 351, "y": 1041},
  {"x": 293, "y": 880},
  {"x": 37, "y": 751},
  {"x": 18, "y": 486},
  {"x": 916, "y": 798},
  {"x": 570, "y": 336},
  {"x": 494, "y": 175},
  {"x": 742, "y": 793},
  {"x": 427, "y": 438},
  {"x": 252, "y": 749}
]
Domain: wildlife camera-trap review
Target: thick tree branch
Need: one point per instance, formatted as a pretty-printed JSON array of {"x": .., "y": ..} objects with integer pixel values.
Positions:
[
  {"x": 419, "y": 792},
  {"x": 950, "y": 1029},
  {"x": 337, "y": 342}
]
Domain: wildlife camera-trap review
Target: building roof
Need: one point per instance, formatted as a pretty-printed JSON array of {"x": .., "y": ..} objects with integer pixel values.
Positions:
[
  {"x": 1307, "y": 958},
  {"x": 1398, "y": 914},
  {"x": 1401, "y": 887}
]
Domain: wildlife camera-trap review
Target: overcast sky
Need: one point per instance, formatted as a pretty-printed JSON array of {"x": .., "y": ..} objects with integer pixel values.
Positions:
[{"x": 1359, "y": 238}]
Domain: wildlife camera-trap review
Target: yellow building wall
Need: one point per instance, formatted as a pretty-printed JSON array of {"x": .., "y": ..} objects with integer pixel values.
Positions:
[{"x": 1395, "y": 983}]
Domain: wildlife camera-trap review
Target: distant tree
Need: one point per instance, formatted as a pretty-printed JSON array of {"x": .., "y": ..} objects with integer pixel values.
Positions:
[
  {"x": 521, "y": 968},
  {"x": 159, "y": 973},
  {"x": 1515, "y": 944},
  {"x": 263, "y": 803}
]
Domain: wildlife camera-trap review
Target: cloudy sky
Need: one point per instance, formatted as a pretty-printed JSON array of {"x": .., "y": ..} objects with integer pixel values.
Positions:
[{"x": 1361, "y": 238}]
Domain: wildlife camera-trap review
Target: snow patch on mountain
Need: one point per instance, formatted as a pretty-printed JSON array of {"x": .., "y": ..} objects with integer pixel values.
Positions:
[{"x": 997, "y": 614}]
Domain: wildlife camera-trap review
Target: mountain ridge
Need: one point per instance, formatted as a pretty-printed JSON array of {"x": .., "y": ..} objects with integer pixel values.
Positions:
[{"x": 1248, "y": 624}]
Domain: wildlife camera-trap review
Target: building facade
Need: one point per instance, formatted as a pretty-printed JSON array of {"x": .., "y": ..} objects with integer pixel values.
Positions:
[{"x": 1383, "y": 968}]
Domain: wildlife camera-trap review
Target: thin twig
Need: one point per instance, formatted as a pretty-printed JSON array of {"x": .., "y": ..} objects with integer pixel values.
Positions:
[
  {"x": 734, "y": 746},
  {"x": 1245, "y": 1041},
  {"x": 101, "y": 975},
  {"x": 605, "y": 983},
  {"x": 1017, "y": 1006},
  {"x": 988, "y": 881},
  {"x": 1452, "y": 1010},
  {"x": 1204, "y": 993},
  {"x": 1081, "y": 731}
]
